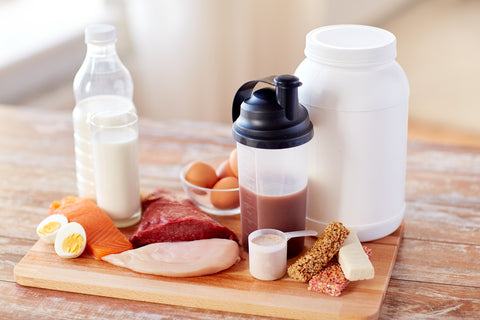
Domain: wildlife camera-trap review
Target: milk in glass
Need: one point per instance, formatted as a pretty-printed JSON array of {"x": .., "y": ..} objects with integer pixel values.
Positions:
[
  {"x": 82, "y": 137},
  {"x": 115, "y": 155}
]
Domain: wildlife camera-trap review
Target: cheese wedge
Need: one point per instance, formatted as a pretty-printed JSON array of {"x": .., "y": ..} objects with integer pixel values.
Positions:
[{"x": 354, "y": 261}]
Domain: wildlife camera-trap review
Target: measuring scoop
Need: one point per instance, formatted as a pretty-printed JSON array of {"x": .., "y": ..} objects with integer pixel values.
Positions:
[{"x": 268, "y": 252}]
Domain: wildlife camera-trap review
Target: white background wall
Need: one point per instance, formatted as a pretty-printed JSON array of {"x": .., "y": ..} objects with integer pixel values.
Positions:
[
  {"x": 191, "y": 56},
  {"x": 41, "y": 43},
  {"x": 188, "y": 57},
  {"x": 439, "y": 48}
]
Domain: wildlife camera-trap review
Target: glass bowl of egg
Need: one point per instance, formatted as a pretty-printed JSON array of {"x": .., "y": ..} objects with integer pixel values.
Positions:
[{"x": 212, "y": 184}]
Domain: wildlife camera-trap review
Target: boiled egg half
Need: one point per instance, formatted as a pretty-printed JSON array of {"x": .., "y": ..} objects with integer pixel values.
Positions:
[
  {"x": 71, "y": 240},
  {"x": 47, "y": 229}
]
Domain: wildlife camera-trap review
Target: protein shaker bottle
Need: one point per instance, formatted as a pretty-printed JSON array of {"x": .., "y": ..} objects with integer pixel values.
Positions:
[
  {"x": 357, "y": 98},
  {"x": 272, "y": 130}
]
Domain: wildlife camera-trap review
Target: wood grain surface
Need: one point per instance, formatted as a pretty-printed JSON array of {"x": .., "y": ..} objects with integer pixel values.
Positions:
[{"x": 436, "y": 275}]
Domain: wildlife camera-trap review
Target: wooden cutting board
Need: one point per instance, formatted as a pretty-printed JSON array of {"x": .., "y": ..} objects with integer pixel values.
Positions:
[{"x": 233, "y": 290}]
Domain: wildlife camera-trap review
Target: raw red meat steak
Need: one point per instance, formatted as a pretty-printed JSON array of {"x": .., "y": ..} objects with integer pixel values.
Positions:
[{"x": 169, "y": 218}]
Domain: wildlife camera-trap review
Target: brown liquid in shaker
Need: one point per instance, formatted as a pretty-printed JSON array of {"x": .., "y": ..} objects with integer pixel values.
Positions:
[{"x": 285, "y": 213}]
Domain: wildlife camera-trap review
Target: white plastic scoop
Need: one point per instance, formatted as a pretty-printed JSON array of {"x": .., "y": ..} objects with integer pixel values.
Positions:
[
  {"x": 268, "y": 252},
  {"x": 302, "y": 233}
]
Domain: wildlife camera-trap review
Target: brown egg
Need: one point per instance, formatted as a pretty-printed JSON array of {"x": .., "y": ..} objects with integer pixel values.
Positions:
[
  {"x": 234, "y": 162},
  {"x": 225, "y": 199},
  {"x": 201, "y": 174},
  {"x": 224, "y": 170}
]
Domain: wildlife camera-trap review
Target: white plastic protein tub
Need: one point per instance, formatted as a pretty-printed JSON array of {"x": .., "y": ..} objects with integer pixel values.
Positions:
[{"x": 357, "y": 98}]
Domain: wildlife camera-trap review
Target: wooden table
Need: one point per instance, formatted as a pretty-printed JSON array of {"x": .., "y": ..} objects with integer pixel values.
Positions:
[{"x": 437, "y": 273}]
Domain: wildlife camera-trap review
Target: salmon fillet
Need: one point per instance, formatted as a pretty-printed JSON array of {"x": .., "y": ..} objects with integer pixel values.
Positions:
[{"x": 103, "y": 237}]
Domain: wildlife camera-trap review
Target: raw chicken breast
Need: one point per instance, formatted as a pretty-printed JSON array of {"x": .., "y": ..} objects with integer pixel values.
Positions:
[{"x": 180, "y": 259}]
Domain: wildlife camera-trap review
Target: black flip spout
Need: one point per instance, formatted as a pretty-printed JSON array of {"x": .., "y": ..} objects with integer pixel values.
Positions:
[
  {"x": 286, "y": 90},
  {"x": 270, "y": 118}
]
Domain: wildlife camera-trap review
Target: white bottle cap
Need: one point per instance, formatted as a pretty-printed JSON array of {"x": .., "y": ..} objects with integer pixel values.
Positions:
[
  {"x": 351, "y": 44},
  {"x": 100, "y": 33}
]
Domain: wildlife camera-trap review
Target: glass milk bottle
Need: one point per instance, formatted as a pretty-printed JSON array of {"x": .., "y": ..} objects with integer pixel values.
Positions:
[
  {"x": 102, "y": 83},
  {"x": 357, "y": 98},
  {"x": 272, "y": 130}
]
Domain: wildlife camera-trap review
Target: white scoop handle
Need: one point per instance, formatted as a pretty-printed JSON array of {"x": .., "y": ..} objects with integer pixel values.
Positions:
[{"x": 302, "y": 233}]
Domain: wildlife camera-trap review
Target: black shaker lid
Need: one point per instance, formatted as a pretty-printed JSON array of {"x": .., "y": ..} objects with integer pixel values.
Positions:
[{"x": 271, "y": 118}]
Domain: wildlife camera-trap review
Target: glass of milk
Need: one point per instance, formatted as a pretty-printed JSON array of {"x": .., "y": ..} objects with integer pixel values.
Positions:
[{"x": 115, "y": 155}]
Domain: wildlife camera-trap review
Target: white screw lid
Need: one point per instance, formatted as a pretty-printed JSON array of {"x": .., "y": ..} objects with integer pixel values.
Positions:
[
  {"x": 100, "y": 33},
  {"x": 351, "y": 44}
]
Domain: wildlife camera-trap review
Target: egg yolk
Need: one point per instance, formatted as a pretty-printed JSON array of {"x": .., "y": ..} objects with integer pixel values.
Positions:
[
  {"x": 49, "y": 228},
  {"x": 73, "y": 243}
]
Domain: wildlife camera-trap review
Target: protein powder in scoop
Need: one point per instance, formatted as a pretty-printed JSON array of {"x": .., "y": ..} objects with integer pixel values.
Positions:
[{"x": 268, "y": 252}]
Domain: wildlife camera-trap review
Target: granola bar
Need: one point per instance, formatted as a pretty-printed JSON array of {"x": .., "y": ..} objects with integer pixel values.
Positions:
[
  {"x": 322, "y": 251},
  {"x": 331, "y": 279}
]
